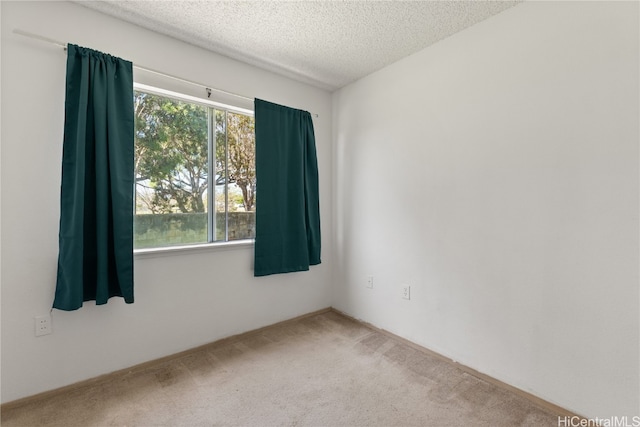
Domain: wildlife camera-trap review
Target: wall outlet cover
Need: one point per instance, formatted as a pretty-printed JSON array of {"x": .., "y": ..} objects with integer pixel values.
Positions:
[
  {"x": 43, "y": 325},
  {"x": 406, "y": 292}
]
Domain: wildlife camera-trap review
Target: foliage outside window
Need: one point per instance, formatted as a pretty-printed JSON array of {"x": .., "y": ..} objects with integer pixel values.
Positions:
[{"x": 179, "y": 201}]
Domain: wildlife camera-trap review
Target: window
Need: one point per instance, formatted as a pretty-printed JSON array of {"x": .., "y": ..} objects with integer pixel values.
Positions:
[{"x": 195, "y": 171}]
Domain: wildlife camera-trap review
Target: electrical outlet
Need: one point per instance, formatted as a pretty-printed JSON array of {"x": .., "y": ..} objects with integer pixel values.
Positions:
[
  {"x": 406, "y": 291},
  {"x": 369, "y": 282},
  {"x": 43, "y": 325}
]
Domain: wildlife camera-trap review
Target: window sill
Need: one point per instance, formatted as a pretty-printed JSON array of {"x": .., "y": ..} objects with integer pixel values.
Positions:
[{"x": 189, "y": 249}]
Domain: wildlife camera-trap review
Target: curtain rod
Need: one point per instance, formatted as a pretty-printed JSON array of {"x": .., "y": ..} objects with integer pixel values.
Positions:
[{"x": 64, "y": 46}]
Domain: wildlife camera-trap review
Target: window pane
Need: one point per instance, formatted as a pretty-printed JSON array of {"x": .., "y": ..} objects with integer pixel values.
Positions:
[
  {"x": 242, "y": 176},
  {"x": 171, "y": 172},
  {"x": 220, "y": 219}
]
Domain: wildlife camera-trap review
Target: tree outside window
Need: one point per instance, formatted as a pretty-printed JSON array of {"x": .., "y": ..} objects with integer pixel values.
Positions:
[{"x": 177, "y": 144}]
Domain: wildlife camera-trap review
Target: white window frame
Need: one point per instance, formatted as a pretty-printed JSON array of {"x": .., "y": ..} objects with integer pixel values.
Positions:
[{"x": 210, "y": 101}]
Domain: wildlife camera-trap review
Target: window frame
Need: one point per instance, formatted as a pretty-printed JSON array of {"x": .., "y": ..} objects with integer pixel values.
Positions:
[{"x": 211, "y": 141}]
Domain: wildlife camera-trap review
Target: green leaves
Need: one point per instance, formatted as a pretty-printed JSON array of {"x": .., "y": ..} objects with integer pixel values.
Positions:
[
  {"x": 171, "y": 154},
  {"x": 242, "y": 153}
]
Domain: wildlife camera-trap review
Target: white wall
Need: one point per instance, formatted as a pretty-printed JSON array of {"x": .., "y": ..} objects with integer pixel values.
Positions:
[
  {"x": 496, "y": 172},
  {"x": 182, "y": 301}
]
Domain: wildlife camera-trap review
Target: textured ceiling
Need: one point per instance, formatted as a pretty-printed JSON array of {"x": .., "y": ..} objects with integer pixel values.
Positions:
[{"x": 325, "y": 43}]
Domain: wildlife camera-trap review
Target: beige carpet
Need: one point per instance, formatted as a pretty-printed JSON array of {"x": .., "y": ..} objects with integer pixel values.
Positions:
[{"x": 324, "y": 370}]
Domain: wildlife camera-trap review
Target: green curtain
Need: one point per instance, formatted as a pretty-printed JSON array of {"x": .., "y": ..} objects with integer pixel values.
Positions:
[
  {"x": 95, "y": 260},
  {"x": 287, "y": 200}
]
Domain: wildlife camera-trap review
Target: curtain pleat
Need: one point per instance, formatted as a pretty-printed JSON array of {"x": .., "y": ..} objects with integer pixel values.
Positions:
[
  {"x": 95, "y": 260},
  {"x": 287, "y": 196}
]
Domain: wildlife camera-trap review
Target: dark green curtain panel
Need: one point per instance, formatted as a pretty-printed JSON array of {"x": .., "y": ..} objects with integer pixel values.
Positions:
[
  {"x": 95, "y": 260},
  {"x": 287, "y": 201}
]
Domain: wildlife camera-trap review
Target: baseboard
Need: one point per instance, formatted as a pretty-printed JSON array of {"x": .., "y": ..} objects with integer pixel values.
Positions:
[
  {"x": 544, "y": 404},
  {"x": 146, "y": 365}
]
